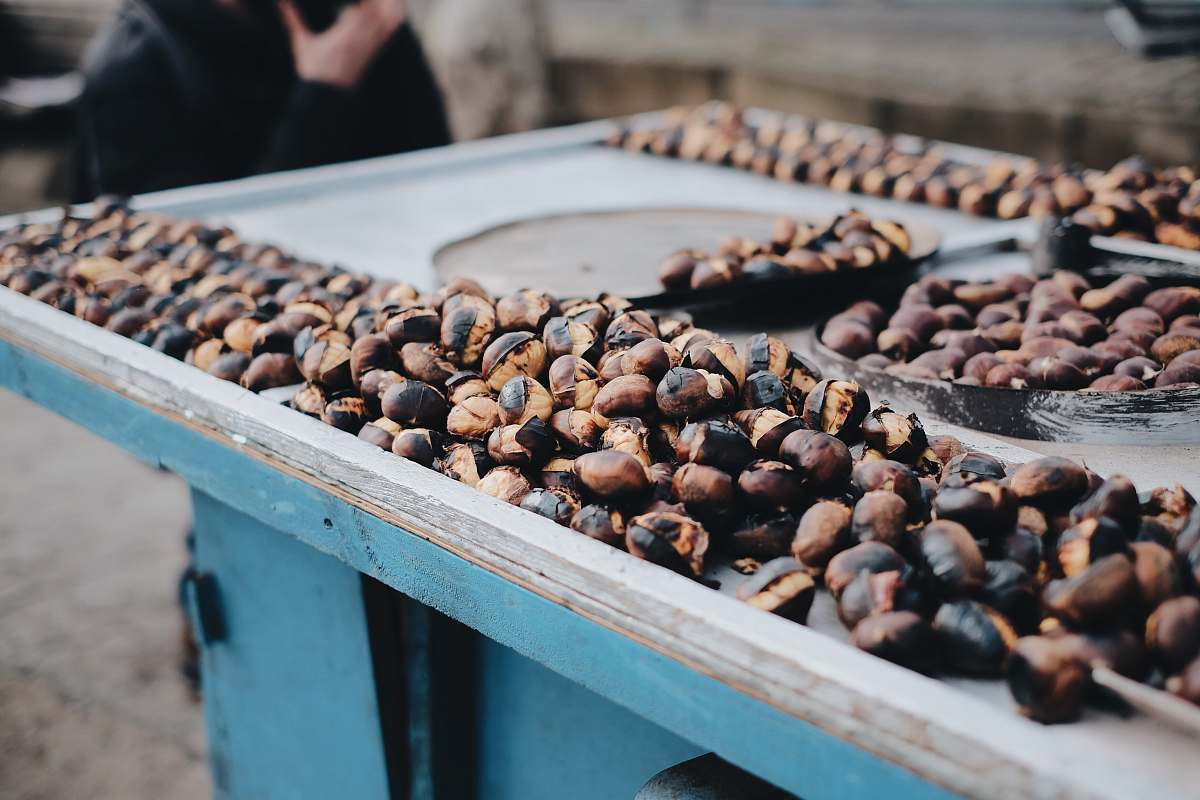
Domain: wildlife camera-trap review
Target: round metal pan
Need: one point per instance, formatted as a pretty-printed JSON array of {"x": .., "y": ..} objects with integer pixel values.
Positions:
[
  {"x": 585, "y": 253},
  {"x": 1153, "y": 417}
]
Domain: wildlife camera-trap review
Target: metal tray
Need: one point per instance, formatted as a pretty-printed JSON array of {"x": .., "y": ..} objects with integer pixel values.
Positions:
[
  {"x": 584, "y": 252},
  {"x": 1152, "y": 417}
]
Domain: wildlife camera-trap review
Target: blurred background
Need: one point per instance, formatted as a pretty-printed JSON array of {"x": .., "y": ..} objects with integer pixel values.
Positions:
[{"x": 1047, "y": 78}]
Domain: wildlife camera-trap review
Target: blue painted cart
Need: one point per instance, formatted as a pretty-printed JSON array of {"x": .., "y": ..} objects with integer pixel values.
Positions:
[{"x": 372, "y": 629}]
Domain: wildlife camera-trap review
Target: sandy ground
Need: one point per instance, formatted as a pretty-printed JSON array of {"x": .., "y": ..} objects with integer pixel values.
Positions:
[{"x": 91, "y": 543}]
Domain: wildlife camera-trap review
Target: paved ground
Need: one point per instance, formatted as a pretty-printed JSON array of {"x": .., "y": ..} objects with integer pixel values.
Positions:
[{"x": 91, "y": 705}]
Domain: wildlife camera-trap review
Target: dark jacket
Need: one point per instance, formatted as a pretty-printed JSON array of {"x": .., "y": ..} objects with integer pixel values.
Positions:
[{"x": 178, "y": 92}]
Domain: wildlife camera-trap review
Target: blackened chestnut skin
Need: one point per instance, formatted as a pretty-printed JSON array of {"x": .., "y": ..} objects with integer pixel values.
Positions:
[
  {"x": 781, "y": 586},
  {"x": 414, "y": 402},
  {"x": 602, "y": 523},
  {"x": 1010, "y": 589},
  {"x": 975, "y": 639},
  {"x": 1173, "y": 633},
  {"x": 555, "y": 505},
  {"x": 838, "y": 408},
  {"x": 670, "y": 540},
  {"x": 951, "y": 559},
  {"x": 763, "y": 537},
  {"x": 901, "y": 637},
  {"x": 715, "y": 443},
  {"x": 1047, "y": 679}
]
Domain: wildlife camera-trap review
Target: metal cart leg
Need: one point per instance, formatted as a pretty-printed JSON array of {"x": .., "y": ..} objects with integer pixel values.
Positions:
[{"x": 289, "y": 694}]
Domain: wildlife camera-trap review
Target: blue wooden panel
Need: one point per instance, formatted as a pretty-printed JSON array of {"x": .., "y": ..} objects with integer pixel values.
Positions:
[
  {"x": 745, "y": 731},
  {"x": 542, "y": 737},
  {"x": 289, "y": 694}
]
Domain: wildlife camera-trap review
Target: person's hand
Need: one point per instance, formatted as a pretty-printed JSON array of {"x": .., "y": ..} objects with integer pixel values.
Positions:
[{"x": 341, "y": 54}]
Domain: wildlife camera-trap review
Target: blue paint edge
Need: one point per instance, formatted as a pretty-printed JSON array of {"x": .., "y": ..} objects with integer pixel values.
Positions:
[{"x": 787, "y": 751}]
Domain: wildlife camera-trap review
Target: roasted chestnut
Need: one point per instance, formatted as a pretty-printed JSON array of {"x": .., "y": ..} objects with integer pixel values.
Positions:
[
  {"x": 474, "y": 417},
  {"x": 901, "y": 637},
  {"x": 1047, "y": 678},
  {"x": 612, "y": 474},
  {"x": 379, "y": 433},
  {"x": 1173, "y": 633},
  {"x": 767, "y": 428},
  {"x": 522, "y": 398},
  {"x": 418, "y": 444},
  {"x": 466, "y": 463},
  {"x": 370, "y": 352},
  {"x": 766, "y": 389},
  {"x": 513, "y": 355},
  {"x": 685, "y": 392},
  {"x": 844, "y": 567},
  {"x": 573, "y": 383},
  {"x": 565, "y": 337},
  {"x": 877, "y": 593},
  {"x": 781, "y": 586},
  {"x": 1049, "y": 482},
  {"x": 668, "y": 539},
  {"x": 626, "y": 396},
  {"x": 986, "y": 508},
  {"x": 1096, "y": 597},
  {"x": 505, "y": 483},
  {"x": 951, "y": 559},
  {"x": 1012, "y": 591},
  {"x": 975, "y": 638},
  {"x": 891, "y": 476},
  {"x": 414, "y": 402},
  {"x": 347, "y": 413},
  {"x": 467, "y": 328},
  {"x": 837, "y": 408},
  {"x": 1089, "y": 541},
  {"x": 898, "y": 437},
  {"x": 763, "y": 537},
  {"x": 600, "y": 522},
  {"x": 715, "y": 443},
  {"x": 628, "y": 328},
  {"x": 270, "y": 370},
  {"x": 413, "y": 324},
  {"x": 526, "y": 310},
  {"x": 526, "y": 444},
  {"x": 559, "y": 505},
  {"x": 769, "y": 486},
  {"x": 879, "y": 516},
  {"x": 629, "y": 435}
]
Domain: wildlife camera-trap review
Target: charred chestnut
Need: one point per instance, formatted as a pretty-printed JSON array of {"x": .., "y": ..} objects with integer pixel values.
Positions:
[
  {"x": 556, "y": 504},
  {"x": 951, "y": 559},
  {"x": 986, "y": 508},
  {"x": 513, "y": 355},
  {"x": 767, "y": 428},
  {"x": 566, "y": 337},
  {"x": 467, "y": 328},
  {"x": 769, "y": 486},
  {"x": 685, "y": 392},
  {"x": 600, "y": 522},
  {"x": 466, "y": 463},
  {"x": 837, "y": 408},
  {"x": 505, "y": 483},
  {"x": 418, "y": 444},
  {"x": 474, "y": 417},
  {"x": 715, "y": 443},
  {"x": 413, "y": 402},
  {"x": 670, "y": 540},
  {"x": 347, "y": 413},
  {"x": 874, "y": 557},
  {"x": 629, "y": 328},
  {"x": 526, "y": 310},
  {"x": 898, "y": 437},
  {"x": 975, "y": 639},
  {"x": 781, "y": 586},
  {"x": 521, "y": 399},
  {"x": 1011, "y": 590},
  {"x": 526, "y": 444},
  {"x": 413, "y": 324},
  {"x": 901, "y": 637},
  {"x": 1047, "y": 678},
  {"x": 763, "y": 537}
]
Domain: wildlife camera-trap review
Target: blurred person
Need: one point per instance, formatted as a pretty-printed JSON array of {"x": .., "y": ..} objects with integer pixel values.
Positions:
[{"x": 180, "y": 92}]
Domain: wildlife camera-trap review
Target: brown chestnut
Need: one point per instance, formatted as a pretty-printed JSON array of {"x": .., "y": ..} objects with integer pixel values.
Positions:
[
  {"x": 1095, "y": 597},
  {"x": 686, "y": 392},
  {"x": 763, "y": 537},
  {"x": 573, "y": 383},
  {"x": 898, "y": 437},
  {"x": 975, "y": 639},
  {"x": 559, "y": 505},
  {"x": 414, "y": 324},
  {"x": 716, "y": 443},
  {"x": 837, "y": 408},
  {"x": 418, "y": 444},
  {"x": 522, "y": 398},
  {"x": 879, "y": 516},
  {"x": 270, "y": 370},
  {"x": 505, "y": 483},
  {"x": 650, "y": 357},
  {"x": 1173, "y": 633},
  {"x": 1047, "y": 678},
  {"x": 767, "y": 428},
  {"x": 467, "y": 328},
  {"x": 347, "y": 413},
  {"x": 602, "y": 523},
  {"x": 951, "y": 559},
  {"x": 562, "y": 336},
  {"x": 1049, "y": 482},
  {"x": 373, "y": 351},
  {"x": 466, "y": 462},
  {"x": 781, "y": 586},
  {"x": 526, "y": 444},
  {"x": 901, "y": 637},
  {"x": 513, "y": 355},
  {"x": 474, "y": 417},
  {"x": 379, "y": 433},
  {"x": 424, "y": 362},
  {"x": 984, "y": 507},
  {"x": 823, "y": 461},
  {"x": 413, "y": 402},
  {"x": 526, "y": 310},
  {"x": 668, "y": 539},
  {"x": 769, "y": 486},
  {"x": 612, "y": 474}
]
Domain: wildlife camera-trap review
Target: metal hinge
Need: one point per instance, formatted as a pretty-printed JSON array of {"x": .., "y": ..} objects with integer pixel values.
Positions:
[{"x": 204, "y": 606}]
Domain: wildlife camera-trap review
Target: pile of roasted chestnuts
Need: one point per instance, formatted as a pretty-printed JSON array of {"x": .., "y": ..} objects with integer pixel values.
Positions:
[
  {"x": 796, "y": 247},
  {"x": 1131, "y": 200},
  {"x": 1061, "y": 332},
  {"x": 667, "y": 441}
]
